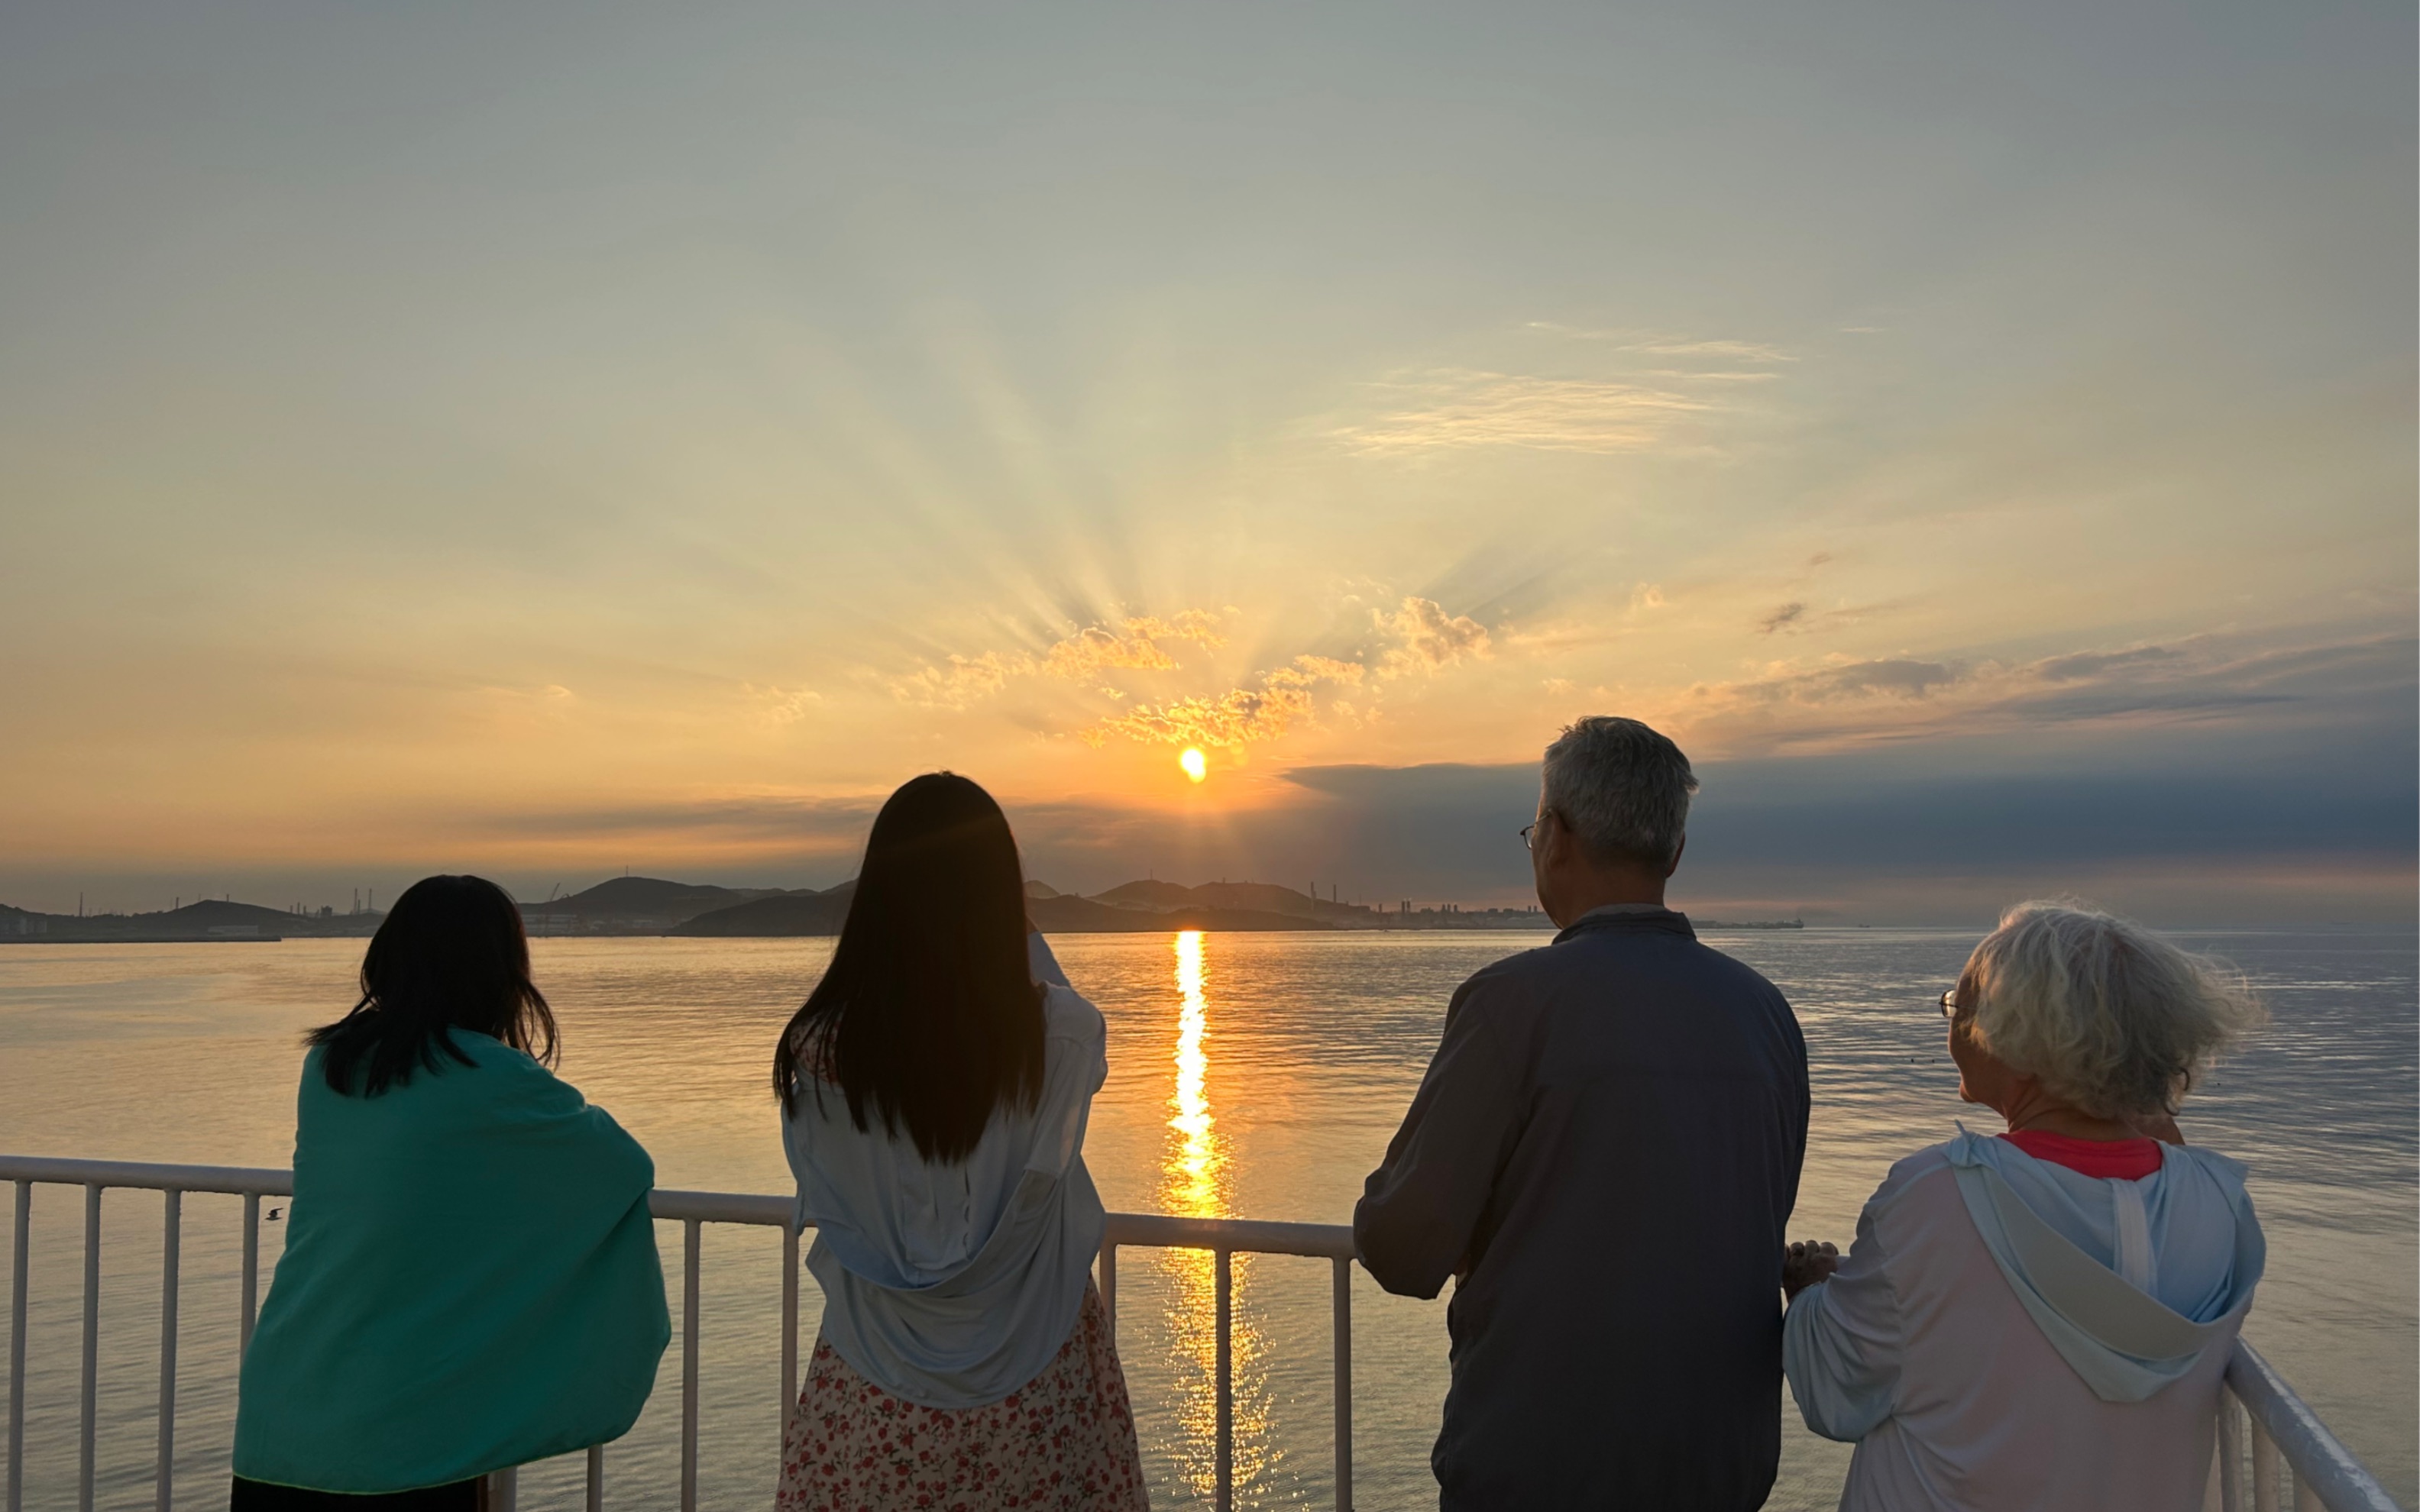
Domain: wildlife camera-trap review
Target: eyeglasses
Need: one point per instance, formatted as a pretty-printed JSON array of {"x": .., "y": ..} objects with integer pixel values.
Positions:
[
  {"x": 1530, "y": 830},
  {"x": 1950, "y": 1004}
]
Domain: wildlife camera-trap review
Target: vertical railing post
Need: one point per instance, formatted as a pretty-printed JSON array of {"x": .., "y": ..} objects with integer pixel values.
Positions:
[
  {"x": 789, "y": 1328},
  {"x": 2264, "y": 1469},
  {"x": 503, "y": 1489},
  {"x": 1343, "y": 1326},
  {"x": 91, "y": 1399},
  {"x": 1226, "y": 1384},
  {"x": 2306, "y": 1496},
  {"x": 24, "y": 1251},
  {"x": 171, "y": 1248},
  {"x": 1109, "y": 1286},
  {"x": 251, "y": 1274},
  {"x": 2230, "y": 1453},
  {"x": 689, "y": 1364},
  {"x": 595, "y": 1501}
]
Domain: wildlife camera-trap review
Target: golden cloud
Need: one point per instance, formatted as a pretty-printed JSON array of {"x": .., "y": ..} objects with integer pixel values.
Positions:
[
  {"x": 1137, "y": 643},
  {"x": 778, "y": 706},
  {"x": 1239, "y": 717},
  {"x": 1419, "y": 637},
  {"x": 1427, "y": 638}
]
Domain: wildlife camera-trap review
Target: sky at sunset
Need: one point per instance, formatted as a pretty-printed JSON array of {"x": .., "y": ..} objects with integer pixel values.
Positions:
[{"x": 548, "y": 440}]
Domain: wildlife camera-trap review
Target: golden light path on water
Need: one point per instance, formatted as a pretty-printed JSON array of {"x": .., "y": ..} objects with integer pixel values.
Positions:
[{"x": 1195, "y": 1181}]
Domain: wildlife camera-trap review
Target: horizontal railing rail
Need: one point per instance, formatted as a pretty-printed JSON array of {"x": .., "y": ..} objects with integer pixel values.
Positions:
[
  {"x": 2283, "y": 1427},
  {"x": 1224, "y": 1238},
  {"x": 2283, "y": 1433}
]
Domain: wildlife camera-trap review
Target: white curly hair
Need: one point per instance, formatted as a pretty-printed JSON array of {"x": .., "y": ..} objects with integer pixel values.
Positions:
[{"x": 2108, "y": 1015}]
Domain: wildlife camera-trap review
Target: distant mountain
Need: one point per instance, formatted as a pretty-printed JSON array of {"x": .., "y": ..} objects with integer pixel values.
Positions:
[
  {"x": 823, "y": 913},
  {"x": 1160, "y": 895},
  {"x": 636, "y": 904},
  {"x": 785, "y": 914},
  {"x": 1255, "y": 897},
  {"x": 212, "y": 918},
  {"x": 653, "y": 905}
]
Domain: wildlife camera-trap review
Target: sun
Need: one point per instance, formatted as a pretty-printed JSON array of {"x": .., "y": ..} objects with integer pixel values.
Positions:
[{"x": 1196, "y": 765}]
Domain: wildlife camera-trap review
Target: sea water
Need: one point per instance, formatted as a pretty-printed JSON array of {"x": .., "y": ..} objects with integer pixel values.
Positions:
[{"x": 1253, "y": 1075}]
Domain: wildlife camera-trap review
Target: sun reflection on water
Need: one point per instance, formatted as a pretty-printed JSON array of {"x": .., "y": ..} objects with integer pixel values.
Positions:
[{"x": 1195, "y": 1180}]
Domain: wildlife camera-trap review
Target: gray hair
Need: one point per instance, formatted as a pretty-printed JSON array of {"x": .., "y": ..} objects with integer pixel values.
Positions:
[
  {"x": 1622, "y": 789},
  {"x": 2107, "y": 1015}
]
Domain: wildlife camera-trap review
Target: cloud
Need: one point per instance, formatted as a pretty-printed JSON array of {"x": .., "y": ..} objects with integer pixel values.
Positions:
[
  {"x": 1786, "y": 614},
  {"x": 811, "y": 823},
  {"x": 1418, "y": 637},
  {"x": 2197, "y": 679},
  {"x": 1427, "y": 638},
  {"x": 964, "y": 681},
  {"x": 2094, "y": 663},
  {"x": 1669, "y": 346},
  {"x": 2153, "y": 821},
  {"x": 1462, "y": 408},
  {"x": 1240, "y": 715},
  {"x": 1745, "y": 352},
  {"x": 1137, "y": 643},
  {"x": 777, "y": 705},
  {"x": 1895, "y": 677}
]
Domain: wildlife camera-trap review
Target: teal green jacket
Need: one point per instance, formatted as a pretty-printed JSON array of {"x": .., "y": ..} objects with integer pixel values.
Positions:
[{"x": 470, "y": 1282}]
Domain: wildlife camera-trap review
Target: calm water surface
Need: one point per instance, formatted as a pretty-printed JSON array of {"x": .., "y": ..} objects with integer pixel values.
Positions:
[{"x": 1255, "y": 1075}]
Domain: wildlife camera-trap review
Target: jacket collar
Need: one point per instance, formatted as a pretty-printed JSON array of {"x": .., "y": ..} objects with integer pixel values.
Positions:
[{"x": 1628, "y": 921}]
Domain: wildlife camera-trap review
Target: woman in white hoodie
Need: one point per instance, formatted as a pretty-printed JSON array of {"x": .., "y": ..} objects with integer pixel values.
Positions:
[
  {"x": 935, "y": 1090},
  {"x": 2043, "y": 1319}
]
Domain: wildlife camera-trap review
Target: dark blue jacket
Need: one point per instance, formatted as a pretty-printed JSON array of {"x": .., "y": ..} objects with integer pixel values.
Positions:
[{"x": 1604, "y": 1150}]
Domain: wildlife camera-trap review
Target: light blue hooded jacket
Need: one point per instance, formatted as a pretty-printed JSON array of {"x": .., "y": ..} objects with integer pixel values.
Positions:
[
  {"x": 2008, "y": 1332},
  {"x": 2129, "y": 1281}
]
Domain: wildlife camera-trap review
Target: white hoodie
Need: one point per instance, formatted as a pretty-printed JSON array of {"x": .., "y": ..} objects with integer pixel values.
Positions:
[{"x": 2007, "y": 1333}]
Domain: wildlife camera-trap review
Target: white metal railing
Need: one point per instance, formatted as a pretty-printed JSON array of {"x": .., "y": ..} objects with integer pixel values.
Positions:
[
  {"x": 2283, "y": 1431},
  {"x": 2283, "y": 1427},
  {"x": 1223, "y": 1237}
]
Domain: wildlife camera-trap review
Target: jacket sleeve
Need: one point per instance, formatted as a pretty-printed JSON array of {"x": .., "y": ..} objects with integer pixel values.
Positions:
[
  {"x": 1842, "y": 1342},
  {"x": 1420, "y": 1208}
]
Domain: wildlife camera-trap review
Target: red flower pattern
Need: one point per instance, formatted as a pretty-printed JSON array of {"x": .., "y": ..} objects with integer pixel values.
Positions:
[{"x": 1066, "y": 1440}]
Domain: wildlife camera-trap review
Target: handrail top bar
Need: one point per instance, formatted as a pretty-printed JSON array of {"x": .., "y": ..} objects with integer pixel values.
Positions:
[
  {"x": 2320, "y": 1460},
  {"x": 242, "y": 1180},
  {"x": 721, "y": 1207},
  {"x": 1257, "y": 1236},
  {"x": 1145, "y": 1229}
]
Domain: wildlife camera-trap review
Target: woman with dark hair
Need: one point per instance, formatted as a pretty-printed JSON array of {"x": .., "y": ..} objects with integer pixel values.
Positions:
[
  {"x": 934, "y": 1091},
  {"x": 470, "y": 1279}
]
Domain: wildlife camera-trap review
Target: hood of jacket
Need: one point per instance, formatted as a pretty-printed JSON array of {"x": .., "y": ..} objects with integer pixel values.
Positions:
[{"x": 2130, "y": 1281}]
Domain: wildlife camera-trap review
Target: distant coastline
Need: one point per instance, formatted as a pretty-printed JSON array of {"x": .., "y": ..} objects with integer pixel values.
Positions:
[
  {"x": 628, "y": 906},
  {"x": 209, "y": 922}
]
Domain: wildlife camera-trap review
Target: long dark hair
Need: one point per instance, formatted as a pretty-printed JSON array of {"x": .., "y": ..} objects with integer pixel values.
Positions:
[
  {"x": 927, "y": 1015},
  {"x": 450, "y": 955}
]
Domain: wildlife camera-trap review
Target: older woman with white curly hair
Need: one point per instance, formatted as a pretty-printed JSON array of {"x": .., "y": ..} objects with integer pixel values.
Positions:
[{"x": 2043, "y": 1319}]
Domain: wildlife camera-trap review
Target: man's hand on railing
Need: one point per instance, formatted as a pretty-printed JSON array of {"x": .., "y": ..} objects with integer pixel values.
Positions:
[{"x": 1807, "y": 1263}]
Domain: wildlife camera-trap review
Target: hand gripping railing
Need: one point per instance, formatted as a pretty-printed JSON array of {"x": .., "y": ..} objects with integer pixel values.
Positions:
[{"x": 1223, "y": 1237}]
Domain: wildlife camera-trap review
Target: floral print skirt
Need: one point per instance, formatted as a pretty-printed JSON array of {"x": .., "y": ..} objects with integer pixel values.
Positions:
[{"x": 1065, "y": 1440}]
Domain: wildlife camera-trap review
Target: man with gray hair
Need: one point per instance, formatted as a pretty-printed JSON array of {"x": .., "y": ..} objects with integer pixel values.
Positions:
[{"x": 1602, "y": 1156}]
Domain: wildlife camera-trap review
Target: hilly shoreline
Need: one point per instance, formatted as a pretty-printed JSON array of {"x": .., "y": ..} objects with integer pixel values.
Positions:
[{"x": 656, "y": 906}]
